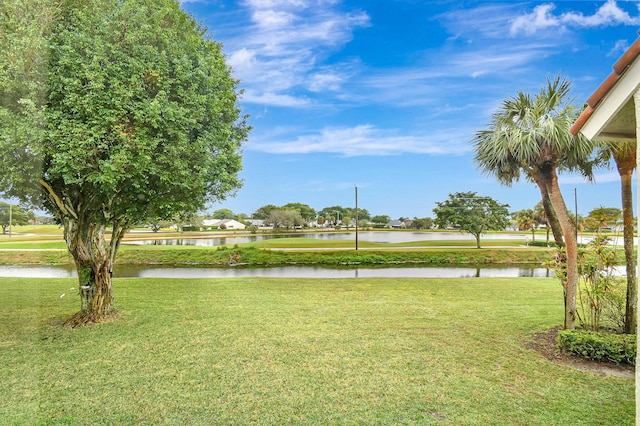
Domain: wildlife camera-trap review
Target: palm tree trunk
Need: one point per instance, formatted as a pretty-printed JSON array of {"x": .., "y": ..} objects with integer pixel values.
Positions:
[
  {"x": 552, "y": 219},
  {"x": 548, "y": 172},
  {"x": 626, "y": 165}
]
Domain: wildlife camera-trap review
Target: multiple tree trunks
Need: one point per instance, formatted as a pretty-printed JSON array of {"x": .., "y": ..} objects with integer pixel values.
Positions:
[
  {"x": 92, "y": 254},
  {"x": 549, "y": 178},
  {"x": 552, "y": 218}
]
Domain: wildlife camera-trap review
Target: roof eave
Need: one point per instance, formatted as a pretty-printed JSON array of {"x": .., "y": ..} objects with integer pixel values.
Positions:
[{"x": 595, "y": 120}]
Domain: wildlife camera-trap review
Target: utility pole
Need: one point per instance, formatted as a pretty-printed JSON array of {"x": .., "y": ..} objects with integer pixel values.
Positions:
[
  {"x": 575, "y": 197},
  {"x": 356, "y": 186},
  {"x": 10, "y": 218}
]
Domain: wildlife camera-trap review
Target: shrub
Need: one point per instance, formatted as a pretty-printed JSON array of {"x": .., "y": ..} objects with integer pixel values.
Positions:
[
  {"x": 614, "y": 304},
  {"x": 538, "y": 243},
  {"x": 599, "y": 346},
  {"x": 597, "y": 269}
]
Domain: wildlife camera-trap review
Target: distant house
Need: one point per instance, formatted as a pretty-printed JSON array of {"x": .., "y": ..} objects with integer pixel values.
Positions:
[
  {"x": 223, "y": 224},
  {"x": 395, "y": 224},
  {"x": 259, "y": 223}
]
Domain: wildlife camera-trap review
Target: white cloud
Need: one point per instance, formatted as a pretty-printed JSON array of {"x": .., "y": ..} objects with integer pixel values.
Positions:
[
  {"x": 620, "y": 47},
  {"x": 485, "y": 21},
  {"x": 271, "y": 19},
  {"x": 415, "y": 86},
  {"x": 367, "y": 140},
  {"x": 539, "y": 19},
  {"x": 608, "y": 14},
  {"x": 270, "y": 4},
  {"x": 275, "y": 99},
  {"x": 281, "y": 50},
  {"x": 542, "y": 17},
  {"x": 573, "y": 179},
  {"x": 323, "y": 81}
]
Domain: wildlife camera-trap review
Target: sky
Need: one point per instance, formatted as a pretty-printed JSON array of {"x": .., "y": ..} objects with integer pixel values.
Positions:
[{"x": 386, "y": 95}]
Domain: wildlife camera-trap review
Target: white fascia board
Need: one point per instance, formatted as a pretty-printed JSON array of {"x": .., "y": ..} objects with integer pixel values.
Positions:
[{"x": 621, "y": 93}]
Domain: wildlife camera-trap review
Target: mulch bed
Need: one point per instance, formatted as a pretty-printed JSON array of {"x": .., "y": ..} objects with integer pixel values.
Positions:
[{"x": 546, "y": 344}]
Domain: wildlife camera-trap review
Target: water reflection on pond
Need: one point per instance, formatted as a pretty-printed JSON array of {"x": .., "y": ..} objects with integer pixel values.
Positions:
[
  {"x": 370, "y": 236},
  {"x": 123, "y": 271}
]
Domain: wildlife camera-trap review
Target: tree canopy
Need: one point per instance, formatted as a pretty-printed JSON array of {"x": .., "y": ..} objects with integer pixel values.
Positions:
[
  {"x": 530, "y": 135},
  {"x": 471, "y": 213},
  {"x": 306, "y": 212},
  {"x": 223, "y": 214},
  {"x": 264, "y": 211},
  {"x": 526, "y": 220},
  {"x": 285, "y": 218},
  {"x": 14, "y": 215},
  {"x": 603, "y": 217},
  {"x": 132, "y": 115}
]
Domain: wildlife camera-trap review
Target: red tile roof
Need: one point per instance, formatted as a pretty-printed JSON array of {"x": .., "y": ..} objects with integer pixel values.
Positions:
[{"x": 618, "y": 69}]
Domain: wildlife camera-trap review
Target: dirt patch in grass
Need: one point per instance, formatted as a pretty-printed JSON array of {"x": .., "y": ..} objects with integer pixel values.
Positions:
[{"x": 546, "y": 344}]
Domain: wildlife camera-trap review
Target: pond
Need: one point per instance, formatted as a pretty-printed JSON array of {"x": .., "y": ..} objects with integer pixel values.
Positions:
[
  {"x": 389, "y": 237},
  {"x": 371, "y": 236},
  {"x": 127, "y": 271}
]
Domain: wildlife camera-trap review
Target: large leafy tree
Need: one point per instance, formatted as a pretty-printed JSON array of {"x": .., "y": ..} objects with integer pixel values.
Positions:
[
  {"x": 223, "y": 214},
  {"x": 264, "y": 211},
  {"x": 624, "y": 156},
  {"x": 603, "y": 217},
  {"x": 381, "y": 218},
  {"x": 530, "y": 135},
  {"x": 306, "y": 212},
  {"x": 335, "y": 211},
  {"x": 285, "y": 218},
  {"x": 472, "y": 213},
  {"x": 24, "y": 29},
  {"x": 138, "y": 120},
  {"x": 11, "y": 215}
]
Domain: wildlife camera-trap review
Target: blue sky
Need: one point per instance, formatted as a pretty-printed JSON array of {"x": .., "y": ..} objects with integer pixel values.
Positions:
[{"x": 387, "y": 94}]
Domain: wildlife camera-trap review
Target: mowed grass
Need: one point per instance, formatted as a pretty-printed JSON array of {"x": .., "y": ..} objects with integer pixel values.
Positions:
[{"x": 296, "y": 351}]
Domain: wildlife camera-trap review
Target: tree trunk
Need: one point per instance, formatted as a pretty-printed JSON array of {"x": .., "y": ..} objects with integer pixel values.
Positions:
[
  {"x": 552, "y": 218},
  {"x": 626, "y": 165},
  {"x": 93, "y": 259},
  {"x": 550, "y": 179},
  {"x": 93, "y": 254}
]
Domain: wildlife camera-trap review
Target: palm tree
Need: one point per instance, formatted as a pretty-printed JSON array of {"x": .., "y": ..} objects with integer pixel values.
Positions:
[
  {"x": 530, "y": 135},
  {"x": 526, "y": 220},
  {"x": 542, "y": 211},
  {"x": 624, "y": 155}
]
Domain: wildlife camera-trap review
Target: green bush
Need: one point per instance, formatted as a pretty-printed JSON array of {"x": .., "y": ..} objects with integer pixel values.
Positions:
[
  {"x": 599, "y": 346},
  {"x": 544, "y": 243}
]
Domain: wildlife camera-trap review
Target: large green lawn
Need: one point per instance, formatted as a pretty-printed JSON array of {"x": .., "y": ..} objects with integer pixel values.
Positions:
[{"x": 291, "y": 351}]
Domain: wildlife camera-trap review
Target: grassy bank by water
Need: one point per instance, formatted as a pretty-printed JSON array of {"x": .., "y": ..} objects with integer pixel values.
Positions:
[
  {"x": 293, "y": 351},
  {"x": 247, "y": 255}
]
